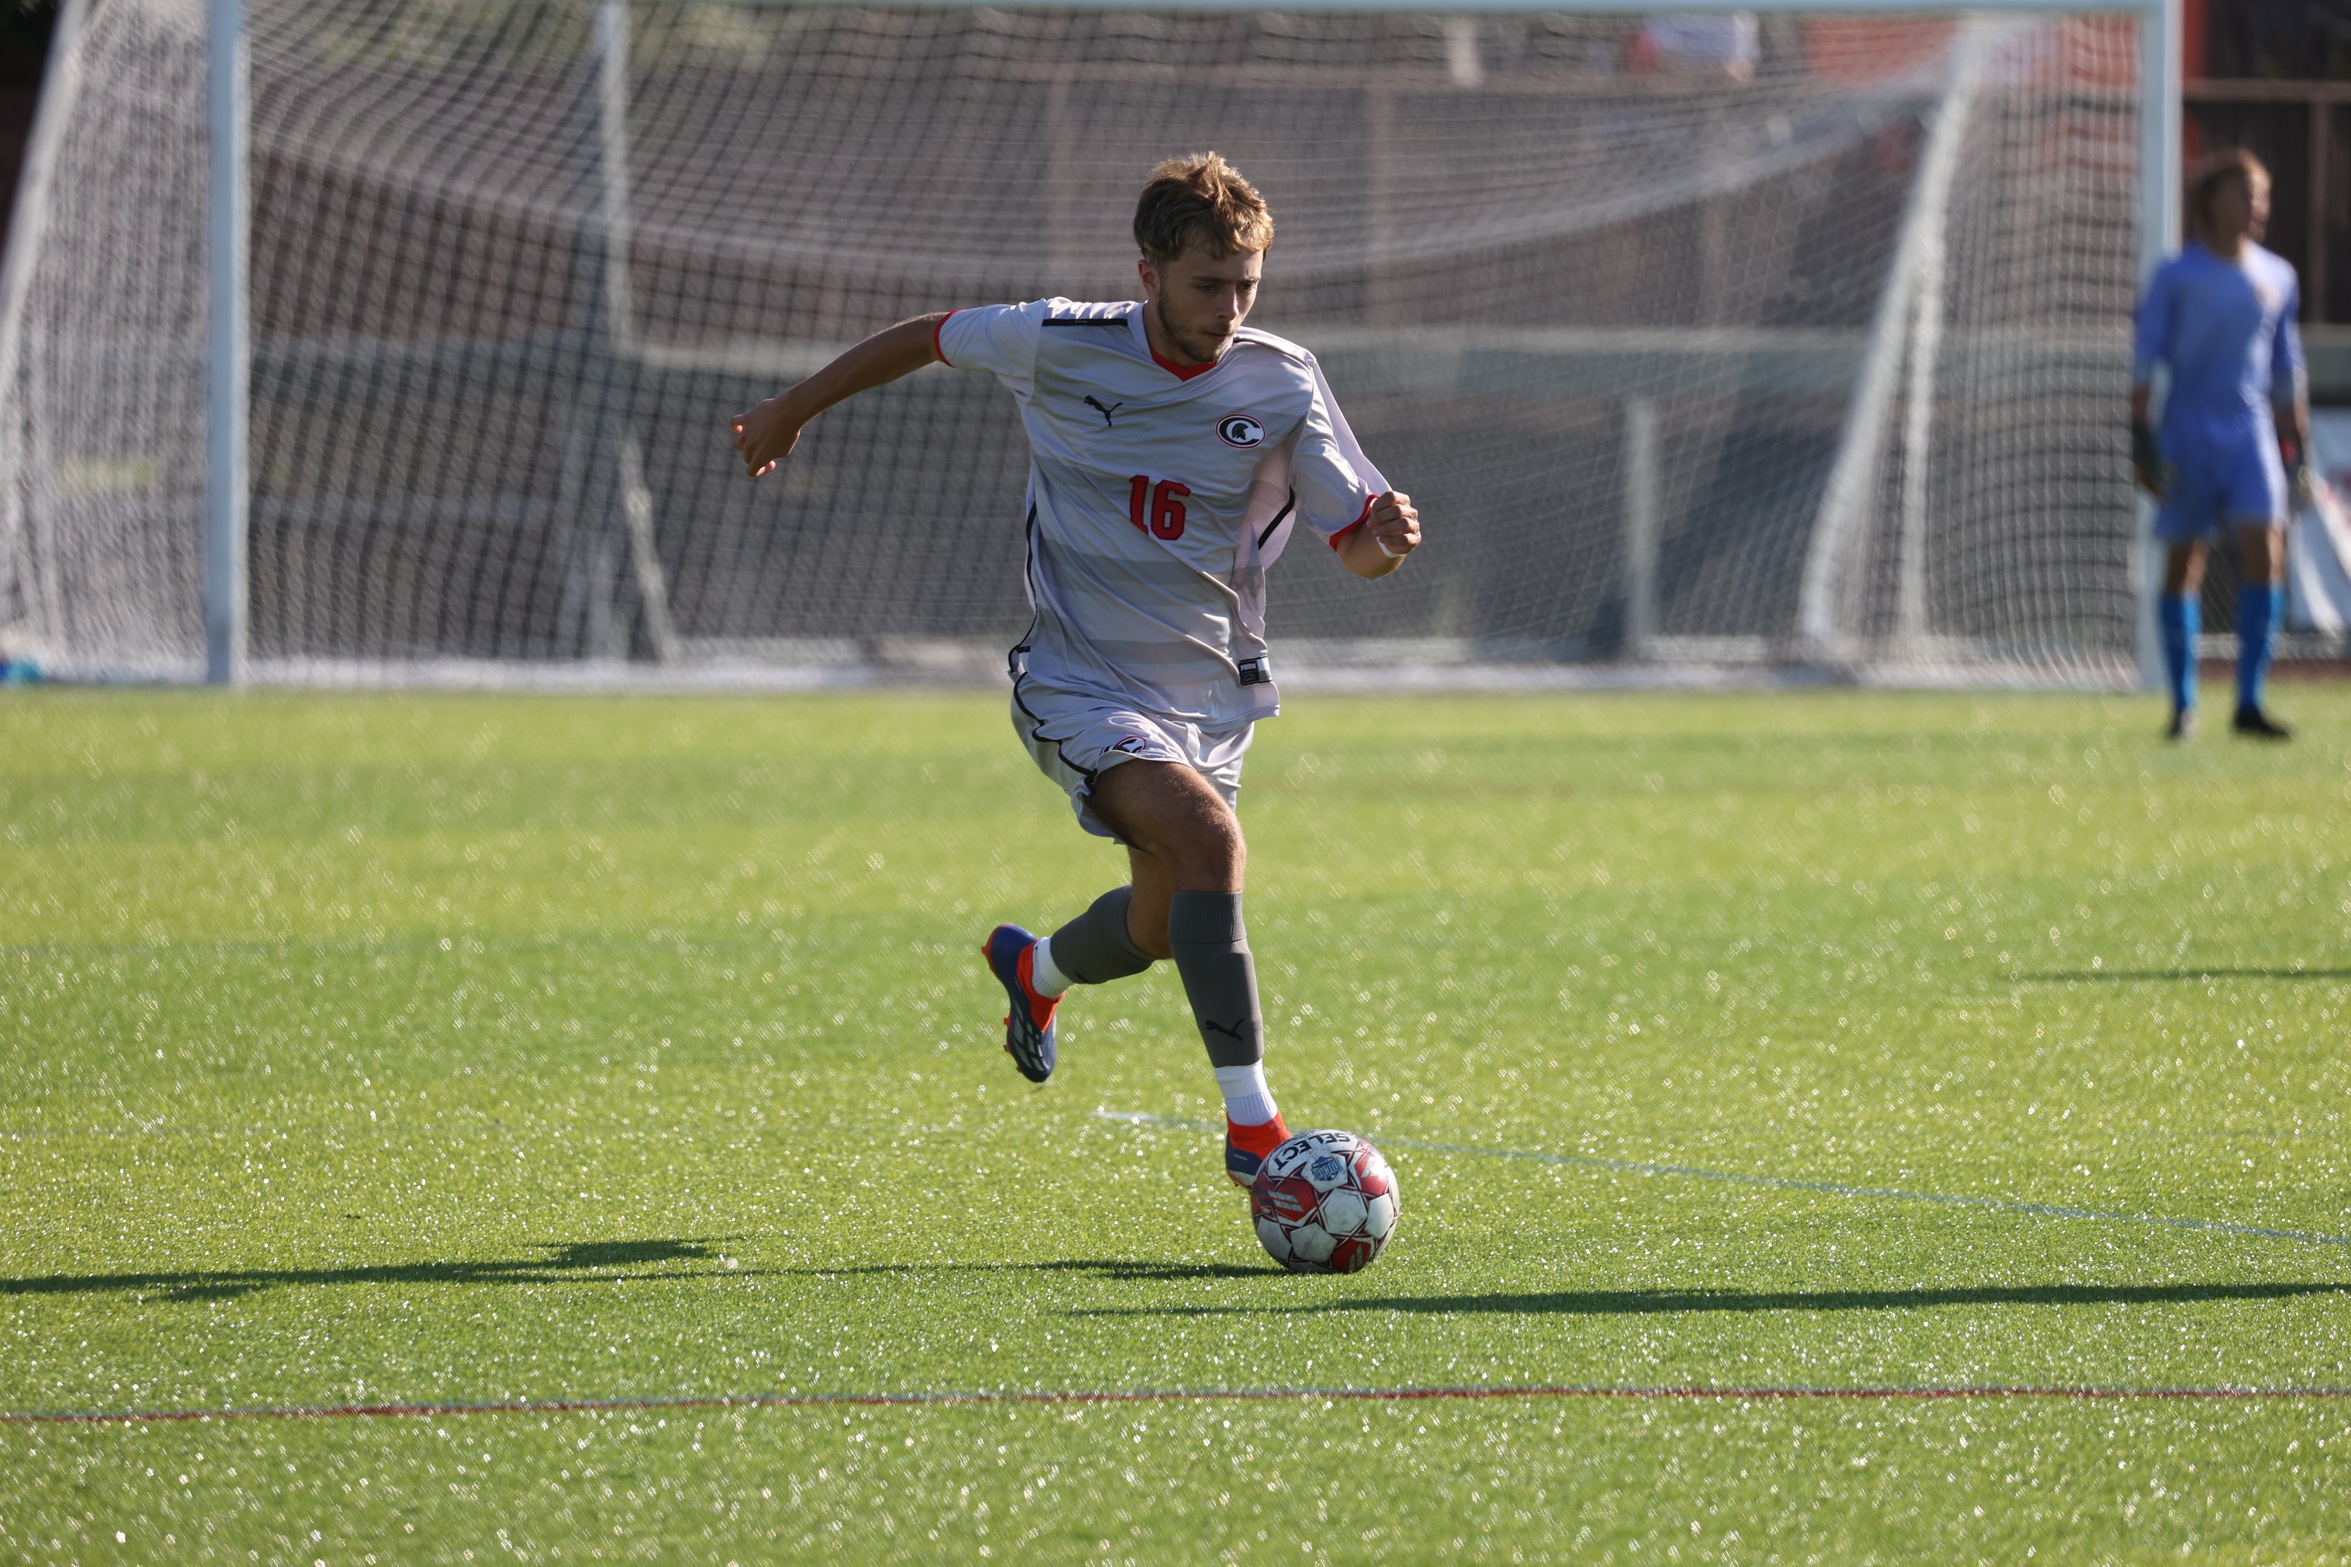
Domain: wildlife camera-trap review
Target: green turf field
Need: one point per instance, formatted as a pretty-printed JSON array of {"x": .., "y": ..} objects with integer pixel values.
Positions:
[{"x": 366, "y": 1051}]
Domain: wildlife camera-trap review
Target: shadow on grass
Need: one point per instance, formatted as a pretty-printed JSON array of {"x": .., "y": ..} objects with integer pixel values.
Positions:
[
  {"x": 2117, "y": 976},
  {"x": 585, "y": 1262},
  {"x": 1618, "y": 1303}
]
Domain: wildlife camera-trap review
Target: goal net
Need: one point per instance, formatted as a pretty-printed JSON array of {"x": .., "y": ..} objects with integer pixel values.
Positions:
[{"x": 1755, "y": 337}]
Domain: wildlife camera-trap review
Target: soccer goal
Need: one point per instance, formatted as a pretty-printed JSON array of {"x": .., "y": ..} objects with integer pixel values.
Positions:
[{"x": 395, "y": 339}]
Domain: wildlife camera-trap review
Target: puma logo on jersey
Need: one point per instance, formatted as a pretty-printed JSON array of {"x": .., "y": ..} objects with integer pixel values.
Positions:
[{"x": 1104, "y": 412}]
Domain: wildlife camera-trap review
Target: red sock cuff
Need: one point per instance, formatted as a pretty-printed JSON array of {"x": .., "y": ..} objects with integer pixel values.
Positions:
[{"x": 1259, "y": 1140}]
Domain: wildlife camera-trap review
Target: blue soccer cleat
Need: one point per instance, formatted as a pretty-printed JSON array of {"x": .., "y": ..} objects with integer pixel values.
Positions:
[{"x": 1028, "y": 1031}]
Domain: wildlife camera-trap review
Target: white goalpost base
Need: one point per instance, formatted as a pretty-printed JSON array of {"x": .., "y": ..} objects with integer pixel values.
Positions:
[{"x": 373, "y": 345}]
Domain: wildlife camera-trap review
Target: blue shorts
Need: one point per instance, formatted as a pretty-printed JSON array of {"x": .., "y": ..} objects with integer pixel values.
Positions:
[{"x": 2215, "y": 493}]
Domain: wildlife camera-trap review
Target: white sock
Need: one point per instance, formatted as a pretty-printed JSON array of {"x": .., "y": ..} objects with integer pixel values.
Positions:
[
  {"x": 1247, "y": 1101},
  {"x": 1044, "y": 978}
]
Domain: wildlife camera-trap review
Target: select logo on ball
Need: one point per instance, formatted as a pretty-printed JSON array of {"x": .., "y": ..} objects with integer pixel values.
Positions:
[
  {"x": 1324, "y": 1202},
  {"x": 1239, "y": 430}
]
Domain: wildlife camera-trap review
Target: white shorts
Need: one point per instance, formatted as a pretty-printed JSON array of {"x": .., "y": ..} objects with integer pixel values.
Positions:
[{"x": 1075, "y": 736}]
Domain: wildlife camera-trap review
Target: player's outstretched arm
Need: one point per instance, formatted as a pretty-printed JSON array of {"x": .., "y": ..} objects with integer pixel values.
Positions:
[
  {"x": 766, "y": 435},
  {"x": 1390, "y": 531}
]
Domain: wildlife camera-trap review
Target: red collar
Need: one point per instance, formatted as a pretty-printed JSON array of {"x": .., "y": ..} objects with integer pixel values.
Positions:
[{"x": 1180, "y": 372}]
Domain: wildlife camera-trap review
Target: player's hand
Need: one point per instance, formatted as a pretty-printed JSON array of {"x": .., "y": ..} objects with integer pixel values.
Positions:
[
  {"x": 766, "y": 435},
  {"x": 1394, "y": 524},
  {"x": 2306, "y": 486}
]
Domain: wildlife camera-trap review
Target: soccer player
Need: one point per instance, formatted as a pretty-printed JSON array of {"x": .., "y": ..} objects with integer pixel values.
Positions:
[
  {"x": 2220, "y": 315},
  {"x": 1173, "y": 451}
]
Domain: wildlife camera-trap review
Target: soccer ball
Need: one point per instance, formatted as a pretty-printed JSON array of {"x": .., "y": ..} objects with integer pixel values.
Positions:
[{"x": 1325, "y": 1202}]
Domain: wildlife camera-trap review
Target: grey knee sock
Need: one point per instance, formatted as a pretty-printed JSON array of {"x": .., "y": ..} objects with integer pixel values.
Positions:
[
  {"x": 1094, "y": 948},
  {"x": 1220, "y": 978}
]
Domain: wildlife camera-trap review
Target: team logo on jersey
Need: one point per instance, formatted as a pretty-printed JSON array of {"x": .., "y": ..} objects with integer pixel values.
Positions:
[
  {"x": 1105, "y": 412},
  {"x": 1239, "y": 430}
]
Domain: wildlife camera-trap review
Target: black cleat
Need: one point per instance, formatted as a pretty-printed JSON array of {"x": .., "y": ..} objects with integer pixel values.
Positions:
[
  {"x": 2251, "y": 721},
  {"x": 2182, "y": 725}
]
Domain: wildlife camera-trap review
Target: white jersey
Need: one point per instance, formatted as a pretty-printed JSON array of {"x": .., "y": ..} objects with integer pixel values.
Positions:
[{"x": 1157, "y": 498}]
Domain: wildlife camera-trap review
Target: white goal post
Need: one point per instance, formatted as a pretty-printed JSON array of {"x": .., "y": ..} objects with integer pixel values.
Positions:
[{"x": 1831, "y": 411}]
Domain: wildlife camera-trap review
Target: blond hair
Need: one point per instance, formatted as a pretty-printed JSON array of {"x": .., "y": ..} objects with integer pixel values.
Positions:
[
  {"x": 2205, "y": 183},
  {"x": 1200, "y": 199}
]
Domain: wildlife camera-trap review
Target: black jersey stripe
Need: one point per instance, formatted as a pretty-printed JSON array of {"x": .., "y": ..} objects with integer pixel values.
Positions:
[
  {"x": 1028, "y": 571},
  {"x": 1287, "y": 507}
]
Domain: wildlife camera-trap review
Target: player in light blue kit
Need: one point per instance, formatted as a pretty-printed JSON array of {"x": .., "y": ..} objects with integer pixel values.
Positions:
[{"x": 2220, "y": 316}]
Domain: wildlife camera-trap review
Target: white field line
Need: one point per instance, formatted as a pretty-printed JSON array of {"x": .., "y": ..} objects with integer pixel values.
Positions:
[{"x": 2038, "y": 1210}]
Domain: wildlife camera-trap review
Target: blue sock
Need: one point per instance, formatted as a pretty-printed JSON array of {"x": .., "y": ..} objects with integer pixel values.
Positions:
[
  {"x": 2182, "y": 618},
  {"x": 2257, "y": 623}
]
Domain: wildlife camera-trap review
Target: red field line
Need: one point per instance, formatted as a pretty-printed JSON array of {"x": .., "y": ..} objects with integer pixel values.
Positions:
[{"x": 567, "y": 1406}]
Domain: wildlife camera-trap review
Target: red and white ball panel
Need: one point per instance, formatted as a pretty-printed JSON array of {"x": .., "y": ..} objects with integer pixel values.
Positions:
[{"x": 1325, "y": 1202}]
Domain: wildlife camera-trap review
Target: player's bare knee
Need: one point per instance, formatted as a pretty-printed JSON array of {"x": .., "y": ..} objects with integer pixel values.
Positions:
[
  {"x": 2183, "y": 568},
  {"x": 2259, "y": 555},
  {"x": 1218, "y": 857},
  {"x": 1203, "y": 851},
  {"x": 1210, "y": 855}
]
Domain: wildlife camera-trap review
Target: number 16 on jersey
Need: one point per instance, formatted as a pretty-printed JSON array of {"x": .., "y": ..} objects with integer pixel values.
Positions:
[{"x": 1158, "y": 512}]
